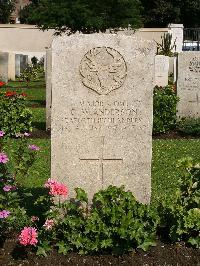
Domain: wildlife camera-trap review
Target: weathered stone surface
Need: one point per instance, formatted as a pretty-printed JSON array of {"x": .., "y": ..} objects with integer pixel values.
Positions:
[
  {"x": 188, "y": 85},
  {"x": 17, "y": 64},
  {"x": 177, "y": 35},
  {"x": 102, "y": 94},
  {"x": 48, "y": 64},
  {"x": 161, "y": 70},
  {"x": 11, "y": 66},
  {"x": 3, "y": 66},
  {"x": 175, "y": 68},
  {"x": 23, "y": 62}
]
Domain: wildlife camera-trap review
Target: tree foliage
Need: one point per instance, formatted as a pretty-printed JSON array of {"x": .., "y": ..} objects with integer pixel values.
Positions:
[
  {"x": 83, "y": 15},
  {"x": 190, "y": 13},
  {"x": 159, "y": 13},
  {"x": 6, "y": 8},
  {"x": 92, "y": 16}
]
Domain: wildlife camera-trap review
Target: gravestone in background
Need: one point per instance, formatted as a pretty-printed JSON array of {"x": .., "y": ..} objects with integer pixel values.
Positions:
[
  {"x": 48, "y": 66},
  {"x": 4, "y": 67},
  {"x": 161, "y": 70},
  {"x": 177, "y": 35},
  {"x": 173, "y": 67},
  {"x": 11, "y": 66},
  {"x": 23, "y": 62},
  {"x": 17, "y": 64},
  {"x": 188, "y": 84},
  {"x": 102, "y": 112}
]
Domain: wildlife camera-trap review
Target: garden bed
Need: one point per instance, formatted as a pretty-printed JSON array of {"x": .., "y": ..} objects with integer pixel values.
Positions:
[
  {"x": 168, "y": 149},
  {"x": 161, "y": 255},
  {"x": 174, "y": 135}
]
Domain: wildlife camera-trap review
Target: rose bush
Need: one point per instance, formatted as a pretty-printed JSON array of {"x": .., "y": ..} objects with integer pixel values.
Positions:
[
  {"x": 14, "y": 116},
  {"x": 13, "y": 214}
]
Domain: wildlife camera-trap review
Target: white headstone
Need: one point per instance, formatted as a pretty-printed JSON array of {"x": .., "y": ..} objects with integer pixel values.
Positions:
[
  {"x": 175, "y": 69},
  {"x": 17, "y": 64},
  {"x": 4, "y": 67},
  {"x": 23, "y": 62},
  {"x": 177, "y": 35},
  {"x": 11, "y": 66},
  {"x": 48, "y": 74},
  {"x": 188, "y": 85},
  {"x": 161, "y": 70},
  {"x": 102, "y": 112}
]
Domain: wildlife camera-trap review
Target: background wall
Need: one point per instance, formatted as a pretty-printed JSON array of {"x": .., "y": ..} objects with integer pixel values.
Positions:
[
  {"x": 22, "y": 38},
  {"x": 151, "y": 33}
]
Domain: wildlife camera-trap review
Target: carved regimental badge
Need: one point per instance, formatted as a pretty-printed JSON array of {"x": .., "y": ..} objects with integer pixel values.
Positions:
[
  {"x": 195, "y": 65},
  {"x": 103, "y": 70}
]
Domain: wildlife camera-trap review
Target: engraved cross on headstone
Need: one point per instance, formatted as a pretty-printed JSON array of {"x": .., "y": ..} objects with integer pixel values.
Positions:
[
  {"x": 101, "y": 159},
  {"x": 197, "y": 100}
]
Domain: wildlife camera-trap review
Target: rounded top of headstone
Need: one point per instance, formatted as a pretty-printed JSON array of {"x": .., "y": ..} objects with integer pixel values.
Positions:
[{"x": 65, "y": 40}]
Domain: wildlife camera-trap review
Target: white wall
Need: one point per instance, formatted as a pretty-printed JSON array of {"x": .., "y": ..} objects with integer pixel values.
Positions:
[
  {"x": 21, "y": 38},
  {"x": 28, "y": 39}
]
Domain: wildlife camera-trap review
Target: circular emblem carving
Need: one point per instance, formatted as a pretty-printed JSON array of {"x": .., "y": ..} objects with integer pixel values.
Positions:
[
  {"x": 195, "y": 65},
  {"x": 103, "y": 69}
]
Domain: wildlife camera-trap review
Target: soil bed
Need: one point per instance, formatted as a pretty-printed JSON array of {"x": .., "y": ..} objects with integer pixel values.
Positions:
[
  {"x": 161, "y": 255},
  {"x": 40, "y": 134},
  {"x": 174, "y": 135}
]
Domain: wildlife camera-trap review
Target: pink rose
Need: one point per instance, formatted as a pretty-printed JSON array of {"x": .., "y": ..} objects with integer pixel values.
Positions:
[
  {"x": 56, "y": 188},
  {"x": 28, "y": 236}
]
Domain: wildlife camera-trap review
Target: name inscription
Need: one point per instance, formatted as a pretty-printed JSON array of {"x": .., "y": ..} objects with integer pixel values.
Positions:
[{"x": 95, "y": 115}]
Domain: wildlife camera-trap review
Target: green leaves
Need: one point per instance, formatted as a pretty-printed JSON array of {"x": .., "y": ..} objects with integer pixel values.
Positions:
[
  {"x": 81, "y": 195},
  {"x": 62, "y": 248},
  {"x": 181, "y": 219},
  {"x": 194, "y": 241},
  {"x": 166, "y": 46},
  {"x": 6, "y": 8},
  {"x": 43, "y": 248},
  {"x": 189, "y": 126},
  {"x": 115, "y": 223},
  {"x": 84, "y": 15},
  {"x": 164, "y": 109},
  {"x": 30, "y": 73},
  {"x": 146, "y": 245},
  {"x": 15, "y": 117}
]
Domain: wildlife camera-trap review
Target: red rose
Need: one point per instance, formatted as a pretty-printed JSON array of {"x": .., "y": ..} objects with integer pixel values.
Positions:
[
  {"x": 10, "y": 93},
  {"x": 23, "y": 94},
  {"x": 2, "y": 84}
]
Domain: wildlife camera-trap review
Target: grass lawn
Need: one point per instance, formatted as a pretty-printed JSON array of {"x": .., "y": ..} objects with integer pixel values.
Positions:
[
  {"x": 166, "y": 153},
  {"x": 165, "y": 173}
]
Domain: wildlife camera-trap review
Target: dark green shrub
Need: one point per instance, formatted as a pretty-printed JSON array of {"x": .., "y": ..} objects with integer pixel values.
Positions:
[
  {"x": 120, "y": 222},
  {"x": 15, "y": 117},
  {"x": 34, "y": 60},
  {"x": 84, "y": 16},
  {"x": 189, "y": 126},
  {"x": 181, "y": 219},
  {"x": 164, "y": 109},
  {"x": 114, "y": 223},
  {"x": 30, "y": 73}
]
